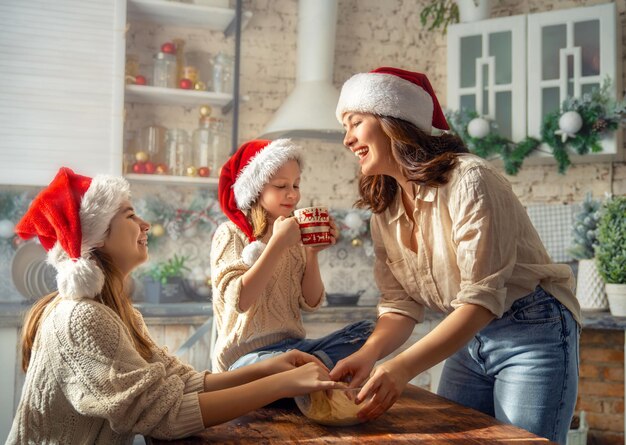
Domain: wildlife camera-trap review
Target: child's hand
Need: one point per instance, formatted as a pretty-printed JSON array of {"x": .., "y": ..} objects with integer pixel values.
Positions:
[
  {"x": 308, "y": 378},
  {"x": 291, "y": 360},
  {"x": 286, "y": 232}
]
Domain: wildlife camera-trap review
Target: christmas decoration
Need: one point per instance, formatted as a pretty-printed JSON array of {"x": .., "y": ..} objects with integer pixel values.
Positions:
[
  {"x": 204, "y": 172},
  {"x": 357, "y": 242},
  {"x": 185, "y": 84},
  {"x": 353, "y": 221},
  {"x": 585, "y": 229},
  {"x": 6, "y": 229},
  {"x": 570, "y": 123},
  {"x": 599, "y": 114},
  {"x": 141, "y": 156},
  {"x": 157, "y": 230},
  {"x": 478, "y": 128},
  {"x": 149, "y": 167},
  {"x": 140, "y": 80},
  {"x": 139, "y": 167},
  {"x": 199, "y": 86},
  {"x": 161, "y": 169},
  {"x": 168, "y": 48},
  {"x": 191, "y": 171}
]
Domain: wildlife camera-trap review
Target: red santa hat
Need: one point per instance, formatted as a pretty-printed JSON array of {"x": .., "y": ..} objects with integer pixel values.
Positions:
[
  {"x": 71, "y": 217},
  {"x": 393, "y": 92},
  {"x": 244, "y": 175}
]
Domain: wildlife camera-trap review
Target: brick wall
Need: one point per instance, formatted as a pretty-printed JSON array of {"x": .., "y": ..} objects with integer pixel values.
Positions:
[{"x": 601, "y": 385}]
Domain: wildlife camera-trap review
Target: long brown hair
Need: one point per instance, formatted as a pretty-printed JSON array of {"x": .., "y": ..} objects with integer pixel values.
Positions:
[
  {"x": 258, "y": 220},
  {"x": 112, "y": 295},
  {"x": 422, "y": 158}
]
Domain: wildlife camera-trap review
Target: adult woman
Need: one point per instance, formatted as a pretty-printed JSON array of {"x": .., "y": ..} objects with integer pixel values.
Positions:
[
  {"x": 449, "y": 234},
  {"x": 94, "y": 375}
]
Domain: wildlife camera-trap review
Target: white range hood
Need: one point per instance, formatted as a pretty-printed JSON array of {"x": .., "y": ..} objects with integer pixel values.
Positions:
[{"x": 309, "y": 111}]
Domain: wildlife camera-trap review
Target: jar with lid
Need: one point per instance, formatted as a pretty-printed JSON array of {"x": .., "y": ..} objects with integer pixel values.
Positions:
[
  {"x": 220, "y": 149},
  {"x": 177, "y": 152},
  {"x": 165, "y": 70}
]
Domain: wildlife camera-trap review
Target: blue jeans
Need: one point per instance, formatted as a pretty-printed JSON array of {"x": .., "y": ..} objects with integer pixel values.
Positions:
[
  {"x": 329, "y": 349},
  {"x": 522, "y": 368}
]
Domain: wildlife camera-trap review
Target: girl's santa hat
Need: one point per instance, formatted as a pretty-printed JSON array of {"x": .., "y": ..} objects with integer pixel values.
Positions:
[
  {"x": 243, "y": 177},
  {"x": 71, "y": 217},
  {"x": 393, "y": 92}
]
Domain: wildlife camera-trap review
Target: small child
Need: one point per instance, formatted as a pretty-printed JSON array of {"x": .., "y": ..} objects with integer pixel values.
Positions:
[{"x": 262, "y": 275}]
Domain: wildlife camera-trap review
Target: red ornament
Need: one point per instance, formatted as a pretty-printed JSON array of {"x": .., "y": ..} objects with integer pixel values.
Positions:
[
  {"x": 139, "y": 167},
  {"x": 140, "y": 80},
  {"x": 185, "y": 84},
  {"x": 161, "y": 169},
  {"x": 168, "y": 48},
  {"x": 204, "y": 172},
  {"x": 150, "y": 168}
]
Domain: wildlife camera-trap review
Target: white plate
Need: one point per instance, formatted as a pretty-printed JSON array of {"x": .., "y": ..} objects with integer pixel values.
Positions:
[{"x": 30, "y": 272}]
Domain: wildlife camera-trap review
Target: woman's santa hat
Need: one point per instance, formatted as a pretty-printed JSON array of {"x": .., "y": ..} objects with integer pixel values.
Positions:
[
  {"x": 393, "y": 92},
  {"x": 71, "y": 217},
  {"x": 243, "y": 177}
]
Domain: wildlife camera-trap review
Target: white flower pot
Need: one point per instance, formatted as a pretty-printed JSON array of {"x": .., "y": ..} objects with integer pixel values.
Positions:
[
  {"x": 473, "y": 10},
  {"x": 590, "y": 287},
  {"x": 616, "y": 294}
]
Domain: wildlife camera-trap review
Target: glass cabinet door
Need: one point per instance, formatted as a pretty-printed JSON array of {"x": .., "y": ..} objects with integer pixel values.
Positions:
[
  {"x": 487, "y": 71},
  {"x": 570, "y": 52}
]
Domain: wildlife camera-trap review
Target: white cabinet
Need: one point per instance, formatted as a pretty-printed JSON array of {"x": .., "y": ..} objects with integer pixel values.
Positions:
[
  {"x": 516, "y": 70},
  {"x": 62, "y": 68}
]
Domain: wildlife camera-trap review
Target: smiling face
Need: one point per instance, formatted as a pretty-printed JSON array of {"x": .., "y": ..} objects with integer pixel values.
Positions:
[
  {"x": 127, "y": 240},
  {"x": 367, "y": 140},
  {"x": 282, "y": 193}
]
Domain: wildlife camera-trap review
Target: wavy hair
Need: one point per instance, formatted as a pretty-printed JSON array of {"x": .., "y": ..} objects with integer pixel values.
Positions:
[{"x": 422, "y": 158}]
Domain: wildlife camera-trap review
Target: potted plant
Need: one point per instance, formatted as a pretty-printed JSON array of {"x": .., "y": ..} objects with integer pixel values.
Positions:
[
  {"x": 163, "y": 282},
  {"x": 589, "y": 284},
  {"x": 611, "y": 253},
  {"x": 448, "y": 12}
]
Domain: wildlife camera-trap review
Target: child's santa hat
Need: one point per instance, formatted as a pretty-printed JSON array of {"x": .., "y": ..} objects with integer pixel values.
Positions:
[
  {"x": 71, "y": 217},
  {"x": 393, "y": 92},
  {"x": 243, "y": 177}
]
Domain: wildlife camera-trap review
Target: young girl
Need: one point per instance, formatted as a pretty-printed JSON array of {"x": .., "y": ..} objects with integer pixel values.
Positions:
[
  {"x": 450, "y": 234},
  {"x": 93, "y": 374},
  {"x": 262, "y": 275}
]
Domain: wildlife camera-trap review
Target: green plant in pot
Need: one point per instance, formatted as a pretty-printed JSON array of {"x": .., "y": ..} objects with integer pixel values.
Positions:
[
  {"x": 163, "y": 282},
  {"x": 589, "y": 284},
  {"x": 611, "y": 253}
]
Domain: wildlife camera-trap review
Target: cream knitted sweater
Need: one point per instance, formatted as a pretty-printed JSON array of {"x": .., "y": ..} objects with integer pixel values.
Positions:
[
  {"x": 276, "y": 314},
  {"x": 86, "y": 384}
]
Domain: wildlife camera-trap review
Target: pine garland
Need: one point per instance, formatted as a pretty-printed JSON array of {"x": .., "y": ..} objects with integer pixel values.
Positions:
[{"x": 600, "y": 115}]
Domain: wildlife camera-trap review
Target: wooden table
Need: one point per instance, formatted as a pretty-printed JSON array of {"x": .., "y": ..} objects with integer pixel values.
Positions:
[{"x": 418, "y": 417}]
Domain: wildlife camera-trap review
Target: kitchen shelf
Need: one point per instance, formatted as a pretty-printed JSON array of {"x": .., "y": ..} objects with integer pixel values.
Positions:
[
  {"x": 184, "y": 15},
  {"x": 145, "y": 94},
  {"x": 168, "y": 179}
]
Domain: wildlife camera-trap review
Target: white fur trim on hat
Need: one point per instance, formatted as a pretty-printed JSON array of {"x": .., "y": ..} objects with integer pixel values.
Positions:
[
  {"x": 261, "y": 168},
  {"x": 83, "y": 277},
  {"x": 386, "y": 95}
]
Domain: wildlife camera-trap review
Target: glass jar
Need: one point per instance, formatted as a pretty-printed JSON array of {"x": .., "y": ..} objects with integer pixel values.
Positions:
[
  {"x": 152, "y": 141},
  {"x": 202, "y": 149},
  {"x": 220, "y": 145},
  {"x": 165, "y": 70},
  {"x": 201, "y": 60},
  {"x": 177, "y": 152},
  {"x": 223, "y": 73}
]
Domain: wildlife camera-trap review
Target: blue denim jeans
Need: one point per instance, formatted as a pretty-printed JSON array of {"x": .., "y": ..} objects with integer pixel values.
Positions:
[
  {"x": 522, "y": 368},
  {"x": 329, "y": 349}
]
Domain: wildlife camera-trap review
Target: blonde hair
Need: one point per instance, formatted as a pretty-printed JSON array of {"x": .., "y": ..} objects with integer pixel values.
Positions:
[
  {"x": 258, "y": 220},
  {"x": 112, "y": 295}
]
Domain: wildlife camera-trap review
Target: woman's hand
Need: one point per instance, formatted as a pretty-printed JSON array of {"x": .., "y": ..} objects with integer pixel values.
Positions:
[
  {"x": 354, "y": 369},
  {"x": 382, "y": 389},
  {"x": 307, "y": 378},
  {"x": 290, "y": 360}
]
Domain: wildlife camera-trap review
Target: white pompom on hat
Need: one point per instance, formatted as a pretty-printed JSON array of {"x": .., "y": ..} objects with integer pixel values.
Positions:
[
  {"x": 393, "y": 92},
  {"x": 71, "y": 217}
]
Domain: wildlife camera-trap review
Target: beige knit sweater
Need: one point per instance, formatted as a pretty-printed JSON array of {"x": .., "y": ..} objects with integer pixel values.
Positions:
[
  {"x": 276, "y": 314},
  {"x": 86, "y": 384}
]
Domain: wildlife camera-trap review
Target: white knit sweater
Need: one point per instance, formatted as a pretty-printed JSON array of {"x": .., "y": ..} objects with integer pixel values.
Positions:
[
  {"x": 86, "y": 384},
  {"x": 276, "y": 313}
]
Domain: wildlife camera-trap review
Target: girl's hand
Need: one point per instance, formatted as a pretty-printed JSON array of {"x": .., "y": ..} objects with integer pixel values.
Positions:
[
  {"x": 290, "y": 360},
  {"x": 308, "y": 378},
  {"x": 384, "y": 387},
  {"x": 354, "y": 369},
  {"x": 286, "y": 231},
  {"x": 334, "y": 236}
]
